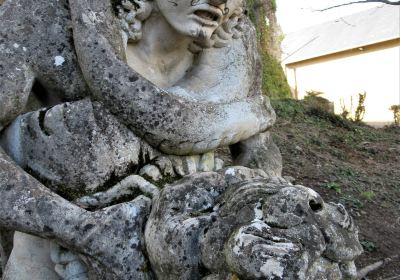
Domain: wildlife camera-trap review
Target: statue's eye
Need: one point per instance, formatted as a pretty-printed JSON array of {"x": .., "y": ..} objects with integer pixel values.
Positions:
[{"x": 315, "y": 206}]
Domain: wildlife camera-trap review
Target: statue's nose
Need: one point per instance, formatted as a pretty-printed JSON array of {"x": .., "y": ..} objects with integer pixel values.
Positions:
[{"x": 217, "y": 2}]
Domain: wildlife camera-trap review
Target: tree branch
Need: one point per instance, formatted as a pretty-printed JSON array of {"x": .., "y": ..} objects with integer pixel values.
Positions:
[{"x": 388, "y": 2}]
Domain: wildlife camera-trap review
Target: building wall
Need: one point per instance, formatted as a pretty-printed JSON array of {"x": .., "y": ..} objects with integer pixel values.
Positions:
[{"x": 342, "y": 76}]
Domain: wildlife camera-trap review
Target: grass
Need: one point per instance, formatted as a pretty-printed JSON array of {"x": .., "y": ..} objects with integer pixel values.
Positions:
[
  {"x": 341, "y": 156},
  {"x": 350, "y": 163}
]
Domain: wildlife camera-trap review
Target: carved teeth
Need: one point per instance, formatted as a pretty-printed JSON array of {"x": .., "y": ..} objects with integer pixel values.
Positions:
[{"x": 207, "y": 15}]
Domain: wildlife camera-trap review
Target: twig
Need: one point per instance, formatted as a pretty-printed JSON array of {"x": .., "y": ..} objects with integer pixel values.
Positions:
[
  {"x": 372, "y": 267},
  {"x": 396, "y": 3},
  {"x": 397, "y": 277}
]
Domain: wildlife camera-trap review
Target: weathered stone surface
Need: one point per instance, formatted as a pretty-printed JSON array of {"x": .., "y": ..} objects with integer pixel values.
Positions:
[
  {"x": 152, "y": 172},
  {"x": 67, "y": 264},
  {"x": 30, "y": 259},
  {"x": 257, "y": 228},
  {"x": 129, "y": 187},
  {"x": 6, "y": 245},
  {"x": 100, "y": 85},
  {"x": 75, "y": 146},
  {"x": 207, "y": 162},
  {"x": 187, "y": 131},
  {"x": 258, "y": 151}
]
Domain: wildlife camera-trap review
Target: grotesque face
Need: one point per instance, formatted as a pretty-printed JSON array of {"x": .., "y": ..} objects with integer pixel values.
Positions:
[
  {"x": 252, "y": 226},
  {"x": 197, "y": 18}
]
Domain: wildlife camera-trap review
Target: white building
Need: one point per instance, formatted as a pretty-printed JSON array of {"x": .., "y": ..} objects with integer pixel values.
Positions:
[{"x": 350, "y": 55}]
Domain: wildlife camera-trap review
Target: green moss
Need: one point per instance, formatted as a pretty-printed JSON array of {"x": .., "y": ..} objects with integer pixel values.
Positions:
[
  {"x": 274, "y": 7},
  {"x": 274, "y": 84},
  {"x": 300, "y": 110},
  {"x": 164, "y": 181},
  {"x": 71, "y": 194}
]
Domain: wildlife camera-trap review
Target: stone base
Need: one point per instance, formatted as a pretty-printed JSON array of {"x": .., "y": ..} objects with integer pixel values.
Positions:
[{"x": 30, "y": 259}]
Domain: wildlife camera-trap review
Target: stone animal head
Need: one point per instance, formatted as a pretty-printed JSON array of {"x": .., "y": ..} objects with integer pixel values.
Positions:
[
  {"x": 278, "y": 231},
  {"x": 254, "y": 227},
  {"x": 212, "y": 23}
]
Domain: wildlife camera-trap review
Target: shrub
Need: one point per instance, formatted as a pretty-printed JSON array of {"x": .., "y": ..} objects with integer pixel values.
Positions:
[{"x": 396, "y": 114}]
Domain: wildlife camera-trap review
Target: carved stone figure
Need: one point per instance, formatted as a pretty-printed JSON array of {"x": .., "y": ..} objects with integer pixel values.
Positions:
[
  {"x": 242, "y": 222},
  {"x": 102, "y": 102}
]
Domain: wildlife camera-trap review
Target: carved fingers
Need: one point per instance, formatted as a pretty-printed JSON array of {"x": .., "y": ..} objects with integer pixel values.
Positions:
[
  {"x": 164, "y": 169},
  {"x": 185, "y": 165},
  {"x": 128, "y": 187},
  {"x": 112, "y": 242},
  {"x": 68, "y": 265}
]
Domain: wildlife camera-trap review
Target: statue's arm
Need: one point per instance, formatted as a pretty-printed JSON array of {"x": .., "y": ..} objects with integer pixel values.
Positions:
[
  {"x": 173, "y": 124},
  {"x": 27, "y": 206},
  {"x": 229, "y": 73}
]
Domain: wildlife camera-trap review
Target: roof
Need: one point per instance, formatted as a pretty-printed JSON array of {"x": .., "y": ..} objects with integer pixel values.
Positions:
[{"x": 372, "y": 26}]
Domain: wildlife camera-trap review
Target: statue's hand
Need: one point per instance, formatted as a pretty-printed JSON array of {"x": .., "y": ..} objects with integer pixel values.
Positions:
[
  {"x": 171, "y": 168},
  {"x": 127, "y": 187},
  {"x": 68, "y": 265},
  {"x": 111, "y": 242},
  {"x": 165, "y": 169}
]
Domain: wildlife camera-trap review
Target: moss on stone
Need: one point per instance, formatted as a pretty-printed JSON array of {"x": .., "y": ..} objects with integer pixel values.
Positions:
[
  {"x": 274, "y": 84},
  {"x": 274, "y": 80},
  {"x": 164, "y": 181}
]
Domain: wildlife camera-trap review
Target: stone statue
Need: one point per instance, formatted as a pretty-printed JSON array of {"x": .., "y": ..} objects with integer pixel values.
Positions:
[
  {"x": 242, "y": 222},
  {"x": 103, "y": 102}
]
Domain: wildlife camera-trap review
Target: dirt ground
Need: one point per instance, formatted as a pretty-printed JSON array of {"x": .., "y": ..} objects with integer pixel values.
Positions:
[{"x": 350, "y": 163}]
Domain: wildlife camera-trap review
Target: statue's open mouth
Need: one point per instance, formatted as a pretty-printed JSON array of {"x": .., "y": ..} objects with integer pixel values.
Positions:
[{"x": 208, "y": 15}]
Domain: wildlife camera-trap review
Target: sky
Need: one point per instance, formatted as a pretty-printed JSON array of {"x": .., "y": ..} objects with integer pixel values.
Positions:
[{"x": 294, "y": 15}]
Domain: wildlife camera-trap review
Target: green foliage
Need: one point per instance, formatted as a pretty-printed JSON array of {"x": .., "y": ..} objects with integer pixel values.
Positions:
[
  {"x": 368, "y": 246},
  {"x": 314, "y": 99},
  {"x": 330, "y": 117},
  {"x": 351, "y": 201},
  {"x": 368, "y": 195},
  {"x": 274, "y": 84},
  {"x": 273, "y": 2},
  {"x": 334, "y": 186},
  {"x": 358, "y": 116},
  {"x": 396, "y": 114},
  {"x": 313, "y": 93},
  {"x": 289, "y": 109},
  {"x": 360, "y": 110},
  {"x": 250, "y": 11}
]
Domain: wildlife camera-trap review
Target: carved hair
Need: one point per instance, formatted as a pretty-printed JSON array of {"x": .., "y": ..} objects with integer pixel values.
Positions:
[{"x": 132, "y": 14}]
